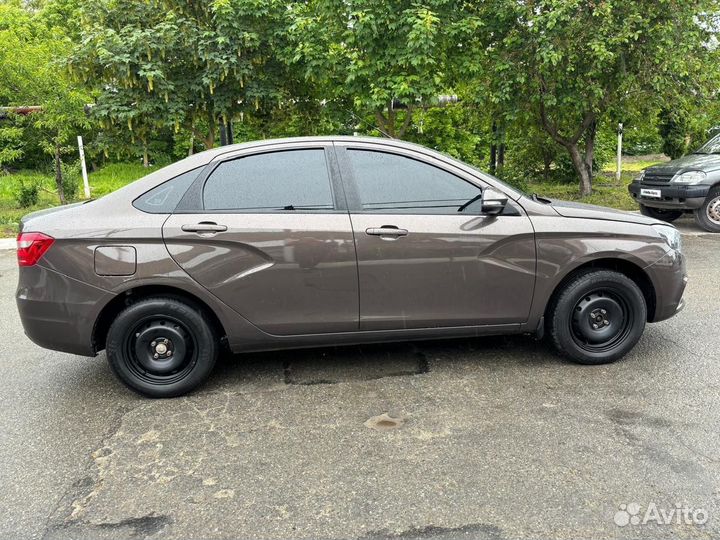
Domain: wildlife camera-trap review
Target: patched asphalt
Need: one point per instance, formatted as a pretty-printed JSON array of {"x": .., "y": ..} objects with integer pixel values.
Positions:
[{"x": 486, "y": 438}]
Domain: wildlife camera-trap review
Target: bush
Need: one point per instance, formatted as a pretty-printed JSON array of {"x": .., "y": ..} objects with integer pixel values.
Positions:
[
  {"x": 27, "y": 194},
  {"x": 71, "y": 179}
]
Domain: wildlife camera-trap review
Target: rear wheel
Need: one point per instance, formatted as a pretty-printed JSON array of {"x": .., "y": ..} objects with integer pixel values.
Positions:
[
  {"x": 659, "y": 213},
  {"x": 597, "y": 317},
  {"x": 708, "y": 215},
  {"x": 162, "y": 347}
]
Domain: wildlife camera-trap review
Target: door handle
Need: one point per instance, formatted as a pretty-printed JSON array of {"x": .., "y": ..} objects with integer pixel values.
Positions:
[
  {"x": 204, "y": 227},
  {"x": 386, "y": 230}
]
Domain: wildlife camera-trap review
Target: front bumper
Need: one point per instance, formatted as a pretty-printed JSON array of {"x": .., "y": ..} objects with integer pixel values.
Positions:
[
  {"x": 669, "y": 278},
  {"x": 672, "y": 196}
]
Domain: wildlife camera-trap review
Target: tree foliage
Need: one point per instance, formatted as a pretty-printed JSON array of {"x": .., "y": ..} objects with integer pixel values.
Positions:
[
  {"x": 573, "y": 63},
  {"x": 377, "y": 54},
  {"x": 542, "y": 84},
  {"x": 177, "y": 63},
  {"x": 31, "y": 73},
  {"x": 674, "y": 129}
]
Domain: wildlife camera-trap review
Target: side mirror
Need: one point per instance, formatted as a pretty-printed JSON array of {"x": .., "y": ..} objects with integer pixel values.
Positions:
[{"x": 493, "y": 201}]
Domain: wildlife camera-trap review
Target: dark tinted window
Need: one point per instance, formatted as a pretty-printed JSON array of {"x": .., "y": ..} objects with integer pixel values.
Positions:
[
  {"x": 289, "y": 180},
  {"x": 164, "y": 198},
  {"x": 389, "y": 182}
]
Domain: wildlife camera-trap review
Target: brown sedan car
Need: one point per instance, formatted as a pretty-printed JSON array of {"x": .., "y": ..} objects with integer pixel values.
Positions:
[{"x": 328, "y": 241}]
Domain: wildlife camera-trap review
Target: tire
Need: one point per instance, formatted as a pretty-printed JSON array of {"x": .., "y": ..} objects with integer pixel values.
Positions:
[
  {"x": 181, "y": 335},
  {"x": 605, "y": 298},
  {"x": 708, "y": 215},
  {"x": 659, "y": 213}
]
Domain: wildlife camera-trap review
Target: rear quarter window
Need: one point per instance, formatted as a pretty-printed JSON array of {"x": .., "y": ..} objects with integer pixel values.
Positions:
[{"x": 163, "y": 199}]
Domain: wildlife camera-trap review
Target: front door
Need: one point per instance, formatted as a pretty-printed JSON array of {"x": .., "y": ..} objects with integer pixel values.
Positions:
[
  {"x": 272, "y": 239},
  {"x": 421, "y": 262}
]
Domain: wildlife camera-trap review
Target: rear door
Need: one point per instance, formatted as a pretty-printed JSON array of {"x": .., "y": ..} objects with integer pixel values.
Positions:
[
  {"x": 421, "y": 263},
  {"x": 267, "y": 231}
]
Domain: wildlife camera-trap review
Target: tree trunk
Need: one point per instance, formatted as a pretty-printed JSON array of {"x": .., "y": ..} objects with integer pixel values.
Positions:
[
  {"x": 547, "y": 163},
  {"x": 500, "y": 156},
  {"x": 386, "y": 125},
  {"x": 493, "y": 149},
  {"x": 210, "y": 138},
  {"x": 230, "y": 132},
  {"x": 191, "y": 150},
  {"x": 406, "y": 123},
  {"x": 223, "y": 133},
  {"x": 582, "y": 168},
  {"x": 582, "y": 161},
  {"x": 58, "y": 174},
  {"x": 146, "y": 157},
  {"x": 590, "y": 146}
]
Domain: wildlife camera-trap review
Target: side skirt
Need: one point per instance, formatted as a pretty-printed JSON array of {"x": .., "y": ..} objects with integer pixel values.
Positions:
[{"x": 273, "y": 343}]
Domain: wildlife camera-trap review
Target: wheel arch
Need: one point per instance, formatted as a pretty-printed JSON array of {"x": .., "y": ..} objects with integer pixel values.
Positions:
[
  {"x": 128, "y": 297},
  {"x": 623, "y": 266}
]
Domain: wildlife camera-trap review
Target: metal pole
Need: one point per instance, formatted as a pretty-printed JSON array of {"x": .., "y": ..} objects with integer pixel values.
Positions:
[
  {"x": 618, "y": 171},
  {"x": 86, "y": 185}
]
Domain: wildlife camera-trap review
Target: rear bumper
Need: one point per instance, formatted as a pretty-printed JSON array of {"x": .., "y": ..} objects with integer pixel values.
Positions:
[
  {"x": 669, "y": 277},
  {"x": 58, "y": 312},
  {"x": 671, "y": 196}
]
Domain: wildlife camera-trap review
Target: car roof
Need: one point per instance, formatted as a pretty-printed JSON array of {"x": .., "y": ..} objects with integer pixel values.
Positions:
[{"x": 316, "y": 139}]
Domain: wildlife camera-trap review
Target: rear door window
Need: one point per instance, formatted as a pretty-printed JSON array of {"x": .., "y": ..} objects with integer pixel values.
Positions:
[{"x": 289, "y": 180}]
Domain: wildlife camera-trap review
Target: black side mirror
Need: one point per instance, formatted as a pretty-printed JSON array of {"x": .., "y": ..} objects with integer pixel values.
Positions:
[{"x": 493, "y": 201}]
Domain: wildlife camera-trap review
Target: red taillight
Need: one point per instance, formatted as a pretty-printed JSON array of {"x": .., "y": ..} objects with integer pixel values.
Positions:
[{"x": 31, "y": 246}]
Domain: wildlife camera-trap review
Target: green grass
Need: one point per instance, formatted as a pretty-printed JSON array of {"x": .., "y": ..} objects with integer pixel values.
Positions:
[
  {"x": 635, "y": 164},
  {"x": 607, "y": 191},
  {"x": 115, "y": 176},
  {"x": 102, "y": 182}
]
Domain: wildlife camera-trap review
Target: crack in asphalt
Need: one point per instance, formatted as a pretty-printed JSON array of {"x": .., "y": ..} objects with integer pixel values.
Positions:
[
  {"x": 476, "y": 531},
  {"x": 88, "y": 484}
]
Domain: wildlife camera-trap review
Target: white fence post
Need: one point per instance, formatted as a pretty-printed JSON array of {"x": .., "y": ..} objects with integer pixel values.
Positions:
[
  {"x": 618, "y": 172},
  {"x": 84, "y": 168}
]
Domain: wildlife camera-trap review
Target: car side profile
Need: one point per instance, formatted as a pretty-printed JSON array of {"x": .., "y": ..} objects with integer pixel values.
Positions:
[{"x": 328, "y": 241}]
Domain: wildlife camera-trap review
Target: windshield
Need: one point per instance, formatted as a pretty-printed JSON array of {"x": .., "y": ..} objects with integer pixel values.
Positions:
[{"x": 710, "y": 147}]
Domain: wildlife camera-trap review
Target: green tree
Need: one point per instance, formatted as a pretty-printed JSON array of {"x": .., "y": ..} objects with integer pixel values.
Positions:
[
  {"x": 30, "y": 74},
  {"x": 11, "y": 145},
  {"x": 376, "y": 54},
  {"x": 182, "y": 64},
  {"x": 571, "y": 63}
]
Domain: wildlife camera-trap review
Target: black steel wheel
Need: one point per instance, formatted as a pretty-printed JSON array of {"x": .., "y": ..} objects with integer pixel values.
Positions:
[
  {"x": 600, "y": 320},
  {"x": 660, "y": 213},
  {"x": 162, "y": 347},
  {"x": 597, "y": 317}
]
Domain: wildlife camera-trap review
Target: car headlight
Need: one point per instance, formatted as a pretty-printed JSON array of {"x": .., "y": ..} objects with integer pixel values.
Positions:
[
  {"x": 639, "y": 177},
  {"x": 671, "y": 236},
  {"x": 690, "y": 177}
]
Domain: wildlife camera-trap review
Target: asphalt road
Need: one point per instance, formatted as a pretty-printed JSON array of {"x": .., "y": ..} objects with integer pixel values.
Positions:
[{"x": 488, "y": 438}]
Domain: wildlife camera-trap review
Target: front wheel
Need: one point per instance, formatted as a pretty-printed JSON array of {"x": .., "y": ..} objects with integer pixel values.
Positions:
[
  {"x": 708, "y": 215},
  {"x": 161, "y": 347},
  {"x": 661, "y": 214},
  {"x": 597, "y": 317}
]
